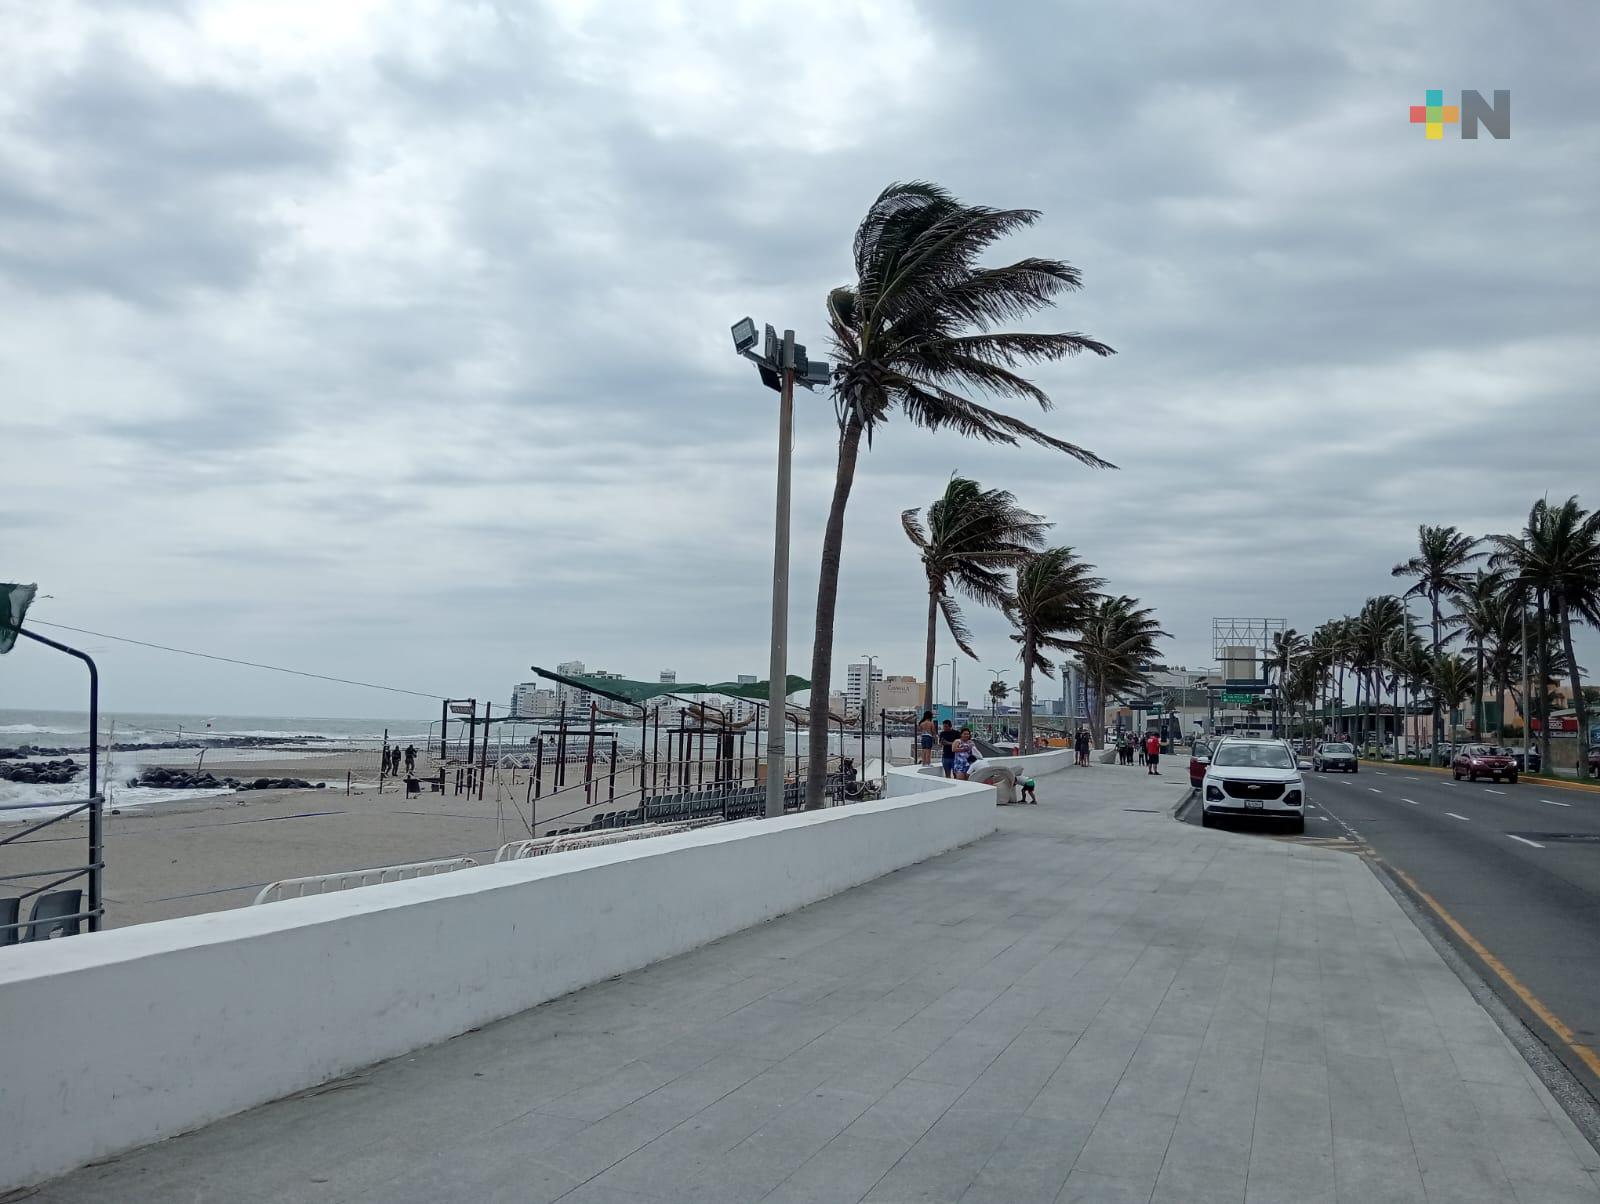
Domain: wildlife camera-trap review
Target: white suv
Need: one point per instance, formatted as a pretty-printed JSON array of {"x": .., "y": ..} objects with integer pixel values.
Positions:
[{"x": 1255, "y": 778}]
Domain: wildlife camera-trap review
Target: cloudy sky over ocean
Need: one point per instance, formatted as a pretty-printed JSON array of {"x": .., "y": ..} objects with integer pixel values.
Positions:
[{"x": 390, "y": 340}]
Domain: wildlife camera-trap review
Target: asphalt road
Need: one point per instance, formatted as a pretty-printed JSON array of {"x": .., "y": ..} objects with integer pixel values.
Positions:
[{"x": 1516, "y": 867}]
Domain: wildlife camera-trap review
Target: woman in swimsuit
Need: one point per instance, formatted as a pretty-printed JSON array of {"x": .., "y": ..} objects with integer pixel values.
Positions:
[
  {"x": 966, "y": 753},
  {"x": 925, "y": 734}
]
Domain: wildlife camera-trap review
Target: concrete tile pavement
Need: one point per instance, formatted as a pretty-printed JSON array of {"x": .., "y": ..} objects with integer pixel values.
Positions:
[{"x": 1096, "y": 1003}]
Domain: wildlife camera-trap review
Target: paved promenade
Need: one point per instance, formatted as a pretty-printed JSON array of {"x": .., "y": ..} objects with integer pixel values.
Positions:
[{"x": 1096, "y": 1003}]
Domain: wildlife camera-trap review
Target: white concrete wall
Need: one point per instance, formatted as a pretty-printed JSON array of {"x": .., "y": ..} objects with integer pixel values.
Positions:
[{"x": 116, "y": 1039}]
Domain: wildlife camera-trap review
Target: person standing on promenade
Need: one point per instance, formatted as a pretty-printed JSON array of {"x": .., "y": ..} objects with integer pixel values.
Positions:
[
  {"x": 966, "y": 753},
  {"x": 926, "y": 731},
  {"x": 1152, "y": 752},
  {"x": 947, "y": 748},
  {"x": 411, "y": 759},
  {"x": 1083, "y": 746}
]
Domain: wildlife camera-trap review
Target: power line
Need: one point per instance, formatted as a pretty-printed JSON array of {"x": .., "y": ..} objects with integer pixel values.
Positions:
[{"x": 343, "y": 681}]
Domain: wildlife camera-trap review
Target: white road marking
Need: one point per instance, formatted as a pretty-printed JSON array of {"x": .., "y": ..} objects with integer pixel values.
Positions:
[
  {"x": 1374, "y": 790},
  {"x": 1553, "y": 802},
  {"x": 1412, "y": 801},
  {"x": 1530, "y": 843},
  {"x": 1410, "y": 778},
  {"x": 1486, "y": 790},
  {"x": 1323, "y": 818},
  {"x": 1453, "y": 815},
  {"x": 1382, "y": 773}
]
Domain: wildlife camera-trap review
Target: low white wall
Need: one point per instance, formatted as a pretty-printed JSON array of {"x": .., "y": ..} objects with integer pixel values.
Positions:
[{"x": 120, "y": 1038}]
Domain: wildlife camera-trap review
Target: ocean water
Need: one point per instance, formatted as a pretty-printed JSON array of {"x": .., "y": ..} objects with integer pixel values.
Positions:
[
  {"x": 67, "y": 729},
  {"x": 301, "y": 736}
]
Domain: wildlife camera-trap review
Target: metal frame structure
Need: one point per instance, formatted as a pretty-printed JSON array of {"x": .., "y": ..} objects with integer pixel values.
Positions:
[{"x": 94, "y": 870}]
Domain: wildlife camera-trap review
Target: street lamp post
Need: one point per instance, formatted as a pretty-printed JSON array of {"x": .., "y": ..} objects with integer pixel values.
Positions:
[
  {"x": 994, "y": 703},
  {"x": 867, "y": 690},
  {"x": 780, "y": 364}
]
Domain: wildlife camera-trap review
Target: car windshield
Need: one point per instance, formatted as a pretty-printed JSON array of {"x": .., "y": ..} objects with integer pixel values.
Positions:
[
  {"x": 1475, "y": 750},
  {"x": 1336, "y": 748},
  {"x": 1202, "y": 749},
  {"x": 1256, "y": 756}
]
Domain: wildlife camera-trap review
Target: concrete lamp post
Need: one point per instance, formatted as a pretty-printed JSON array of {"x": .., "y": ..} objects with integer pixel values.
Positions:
[{"x": 781, "y": 364}]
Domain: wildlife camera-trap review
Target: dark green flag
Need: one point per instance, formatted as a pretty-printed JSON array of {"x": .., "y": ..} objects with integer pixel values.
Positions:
[{"x": 14, "y": 600}]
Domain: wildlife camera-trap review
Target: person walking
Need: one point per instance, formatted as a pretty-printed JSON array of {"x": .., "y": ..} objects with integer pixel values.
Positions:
[
  {"x": 1139, "y": 747},
  {"x": 1152, "y": 752},
  {"x": 926, "y": 731},
  {"x": 965, "y": 754},
  {"x": 1083, "y": 746},
  {"x": 411, "y": 759},
  {"x": 947, "y": 748}
]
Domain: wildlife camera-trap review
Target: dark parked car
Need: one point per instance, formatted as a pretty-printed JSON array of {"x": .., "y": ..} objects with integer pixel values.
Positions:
[
  {"x": 1533, "y": 762},
  {"x": 1476, "y": 761},
  {"x": 1199, "y": 758},
  {"x": 1331, "y": 756}
]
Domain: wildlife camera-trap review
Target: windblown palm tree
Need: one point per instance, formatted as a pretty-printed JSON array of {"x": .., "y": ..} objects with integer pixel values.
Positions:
[
  {"x": 1558, "y": 557},
  {"x": 1451, "y": 680},
  {"x": 1482, "y": 619},
  {"x": 972, "y": 538},
  {"x": 1376, "y": 627},
  {"x": 1439, "y": 570},
  {"x": 1117, "y": 644},
  {"x": 1054, "y": 593},
  {"x": 917, "y": 333},
  {"x": 1288, "y": 647}
]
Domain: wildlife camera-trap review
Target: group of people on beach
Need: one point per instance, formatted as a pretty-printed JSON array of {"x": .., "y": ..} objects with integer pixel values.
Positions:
[
  {"x": 957, "y": 751},
  {"x": 391, "y": 758}
]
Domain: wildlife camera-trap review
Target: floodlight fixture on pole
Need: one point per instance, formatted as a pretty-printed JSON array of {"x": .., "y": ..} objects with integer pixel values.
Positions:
[{"x": 781, "y": 363}]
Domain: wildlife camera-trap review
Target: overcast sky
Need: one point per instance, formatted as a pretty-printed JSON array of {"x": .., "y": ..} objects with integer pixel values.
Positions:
[{"x": 390, "y": 340}]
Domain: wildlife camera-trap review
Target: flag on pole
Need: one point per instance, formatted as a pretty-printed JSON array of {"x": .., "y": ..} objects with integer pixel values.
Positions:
[{"x": 14, "y": 600}]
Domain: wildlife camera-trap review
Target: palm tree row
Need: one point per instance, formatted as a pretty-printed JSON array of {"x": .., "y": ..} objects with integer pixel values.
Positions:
[
  {"x": 979, "y": 544},
  {"x": 1512, "y": 599}
]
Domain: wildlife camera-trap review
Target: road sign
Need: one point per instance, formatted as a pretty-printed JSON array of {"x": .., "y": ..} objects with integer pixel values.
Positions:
[{"x": 1239, "y": 699}]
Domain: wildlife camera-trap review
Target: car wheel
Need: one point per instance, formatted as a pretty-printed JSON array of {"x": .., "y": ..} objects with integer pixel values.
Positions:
[
  {"x": 1355, "y": 769},
  {"x": 1298, "y": 827},
  {"x": 1512, "y": 780},
  {"x": 1472, "y": 775},
  {"x": 1455, "y": 774},
  {"x": 1205, "y": 818}
]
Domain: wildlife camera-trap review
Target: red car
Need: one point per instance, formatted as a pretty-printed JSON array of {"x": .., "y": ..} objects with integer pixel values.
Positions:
[
  {"x": 1476, "y": 761},
  {"x": 1199, "y": 758}
]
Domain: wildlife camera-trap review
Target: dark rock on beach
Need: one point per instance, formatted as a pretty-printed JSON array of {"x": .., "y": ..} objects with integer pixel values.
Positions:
[
  {"x": 53, "y": 773},
  {"x": 176, "y": 779}
]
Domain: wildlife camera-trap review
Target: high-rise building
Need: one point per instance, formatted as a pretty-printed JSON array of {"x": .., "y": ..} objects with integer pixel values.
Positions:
[
  {"x": 669, "y": 677},
  {"x": 855, "y": 685},
  {"x": 899, "y": 695},
  {"x": 530, "y": 700}
]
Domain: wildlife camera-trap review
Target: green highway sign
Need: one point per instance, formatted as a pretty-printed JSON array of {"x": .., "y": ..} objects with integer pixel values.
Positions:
[{"x": 1241, "y": 699}]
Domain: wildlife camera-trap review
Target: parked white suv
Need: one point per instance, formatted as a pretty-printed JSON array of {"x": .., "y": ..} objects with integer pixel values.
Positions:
[{"x": 1254, "y": 778}]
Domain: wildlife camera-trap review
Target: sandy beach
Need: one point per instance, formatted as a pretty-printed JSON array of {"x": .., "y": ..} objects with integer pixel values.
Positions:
[{"x": 197, "y": 855}]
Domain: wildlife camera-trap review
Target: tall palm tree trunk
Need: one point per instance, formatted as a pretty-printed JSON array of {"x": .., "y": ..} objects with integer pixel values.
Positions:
[
  {"x": 827, "y": 604},
  {"x": 1582, "y": 742},
  {"x": 1439, "y": 721},
  {"x": 933, "y": 635},
  {"x": 1029, "y": 648},
  {"x": 1543, "y": 681}
]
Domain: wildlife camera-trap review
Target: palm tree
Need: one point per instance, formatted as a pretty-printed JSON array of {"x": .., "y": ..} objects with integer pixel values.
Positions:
[
  {"x": 1054, "y": 593},
  {"x": 1288, "y": 647},
  {"x": 997, "y": 695},
  {"x": 916, "y": 332},
  {"x": 1558, "y": 556},
  {"x": 1452, "y": 680},
  {"x": 1375, "y": 628},
  {"x": 1439, "y": 570},
  {"x": 1481, "y": 618},
  {"x": 972, "y": 537},
  {"x": 1117, "y": 644}
]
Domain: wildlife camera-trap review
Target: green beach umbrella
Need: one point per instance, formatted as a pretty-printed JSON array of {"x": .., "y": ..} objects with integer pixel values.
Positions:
[{"x": 14, "y": 600}]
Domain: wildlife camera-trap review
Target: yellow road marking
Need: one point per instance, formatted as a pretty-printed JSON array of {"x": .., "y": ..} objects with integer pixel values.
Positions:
[{"x": 1586, "y": 1053}]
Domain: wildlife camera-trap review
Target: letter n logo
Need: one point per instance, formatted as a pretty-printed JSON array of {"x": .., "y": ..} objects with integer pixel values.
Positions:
[{"x": 1495, "y": 118}]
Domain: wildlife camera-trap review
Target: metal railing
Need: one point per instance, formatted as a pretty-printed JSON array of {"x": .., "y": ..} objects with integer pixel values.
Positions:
[
  {"x": 94, "y": 910},
  {"x": 322, "y": 884},
  {"x": 519, "y": 850}
]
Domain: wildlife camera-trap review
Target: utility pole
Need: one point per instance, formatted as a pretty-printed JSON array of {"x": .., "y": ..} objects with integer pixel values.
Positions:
[{"x": 1527, "y": 698}]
